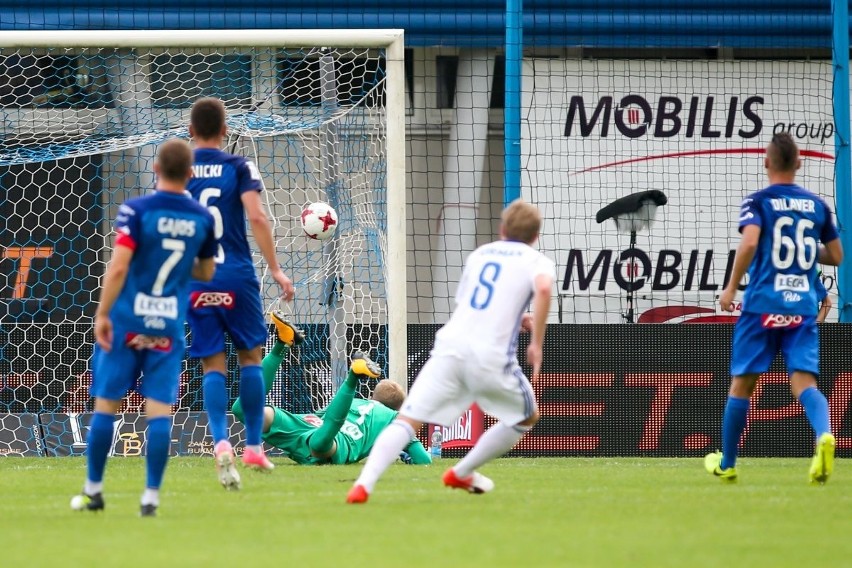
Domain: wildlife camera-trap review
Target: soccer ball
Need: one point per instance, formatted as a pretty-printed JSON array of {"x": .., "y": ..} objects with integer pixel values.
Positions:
[
  {"x": 319, "y": 220},
  {"x": 78, "y": 502}
]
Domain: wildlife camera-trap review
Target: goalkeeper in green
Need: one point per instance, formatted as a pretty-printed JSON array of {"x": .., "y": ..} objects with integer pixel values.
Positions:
[{"x": 343, "y": 432}]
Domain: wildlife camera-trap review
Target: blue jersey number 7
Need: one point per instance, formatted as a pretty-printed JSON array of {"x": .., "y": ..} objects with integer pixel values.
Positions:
[{"x": 483, "y": 292}]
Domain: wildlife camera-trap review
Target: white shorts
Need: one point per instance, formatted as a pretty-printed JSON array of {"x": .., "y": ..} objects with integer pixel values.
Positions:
[{"x": 453, "y": 379}]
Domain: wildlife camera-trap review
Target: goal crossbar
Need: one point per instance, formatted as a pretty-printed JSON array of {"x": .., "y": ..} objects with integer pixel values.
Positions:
[{"x": 391, "y": 39}]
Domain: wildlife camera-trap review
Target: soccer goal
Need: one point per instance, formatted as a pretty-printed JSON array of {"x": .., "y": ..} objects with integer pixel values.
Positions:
[{"x": 321, "y": 114}]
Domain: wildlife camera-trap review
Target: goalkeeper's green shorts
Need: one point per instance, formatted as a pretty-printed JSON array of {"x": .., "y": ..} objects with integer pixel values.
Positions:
[{"x": 290, "y": 432}]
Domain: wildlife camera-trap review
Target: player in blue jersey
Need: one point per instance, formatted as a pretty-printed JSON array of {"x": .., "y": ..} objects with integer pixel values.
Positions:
[
  {"x": 229, "y": 186},
  {"x": 781, "y": 229},
  {"x": 139, "y": 323}
]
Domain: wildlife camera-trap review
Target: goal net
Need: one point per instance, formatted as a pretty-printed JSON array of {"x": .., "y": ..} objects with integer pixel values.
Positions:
[
  {"x": 597, "y": 130},
  {"x": 319, "y": 113}
]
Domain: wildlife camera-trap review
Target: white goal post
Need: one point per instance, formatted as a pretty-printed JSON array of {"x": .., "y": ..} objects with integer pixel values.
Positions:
[{"x": 328, "y": 101}]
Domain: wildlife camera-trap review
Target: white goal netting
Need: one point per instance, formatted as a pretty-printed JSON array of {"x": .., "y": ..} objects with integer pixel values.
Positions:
[{"x": 81, "y": 125}]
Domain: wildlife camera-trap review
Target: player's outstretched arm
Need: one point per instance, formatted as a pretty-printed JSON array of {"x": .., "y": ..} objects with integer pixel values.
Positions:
[
  {"x": 203, "y": 269},
  {"x": 262, "y": 231},
  {"x": 417, "y": 453},
  {"x": 824, "y": 309},
  {"x": 822, "y": 298},
  {"x": 831, "y": 253},
  {"x": 322, "y": 442},
  {"x": 742, "y": 260},
  {"x": 540, "y": 310},
  {"x": 116, "y": 275}
]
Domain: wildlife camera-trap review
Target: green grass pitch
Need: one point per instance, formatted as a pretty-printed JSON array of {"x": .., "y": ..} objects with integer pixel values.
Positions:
[{"x": 543, "y": 512}]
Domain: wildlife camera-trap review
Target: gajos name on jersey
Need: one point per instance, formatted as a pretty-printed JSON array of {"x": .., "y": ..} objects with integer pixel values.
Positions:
[{"x": 176, "y": 227}]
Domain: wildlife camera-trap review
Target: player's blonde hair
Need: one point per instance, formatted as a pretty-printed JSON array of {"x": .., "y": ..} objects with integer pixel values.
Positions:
[
  {"x": 389, "y": 393},
  {"x": 520, "y": 221}
]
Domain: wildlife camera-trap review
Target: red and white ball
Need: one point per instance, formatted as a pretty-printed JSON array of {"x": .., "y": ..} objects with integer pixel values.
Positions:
[{"x": 319, "y": 221}]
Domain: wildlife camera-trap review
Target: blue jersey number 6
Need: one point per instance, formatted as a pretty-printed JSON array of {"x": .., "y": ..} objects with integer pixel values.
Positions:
[{"x": 487, "y": 278}]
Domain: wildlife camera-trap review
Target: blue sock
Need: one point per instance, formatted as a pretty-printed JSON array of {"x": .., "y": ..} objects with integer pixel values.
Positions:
[
  {"x": 816, "y": 409},
  {"x": 98, "y": 443},
  {"x": 253, "y": 398},
  {"x": 159, "y": 443},
  {"x": 216, "y": 404},
  {"x": 733, "y": 424}
]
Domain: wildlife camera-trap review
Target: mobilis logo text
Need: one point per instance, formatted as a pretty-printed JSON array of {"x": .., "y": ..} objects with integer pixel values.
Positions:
[
  {"x": 634, "y": 116},
  {"x": 709, "y": 116},
  {"x": 633, "y": 269}
]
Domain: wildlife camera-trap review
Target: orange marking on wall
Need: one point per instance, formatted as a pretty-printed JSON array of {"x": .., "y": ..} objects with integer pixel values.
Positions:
[{"x": 25, "y": 256}]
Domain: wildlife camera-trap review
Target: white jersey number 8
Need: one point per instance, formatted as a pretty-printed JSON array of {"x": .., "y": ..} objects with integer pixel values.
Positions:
[{"x": 484, "y": 291}]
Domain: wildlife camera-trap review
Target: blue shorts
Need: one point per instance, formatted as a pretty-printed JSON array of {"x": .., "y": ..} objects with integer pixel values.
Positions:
[
  {"x": 233, "y": 307},
  {"x": 149, "y": 365},
  {"x": 759, "y": 337}
]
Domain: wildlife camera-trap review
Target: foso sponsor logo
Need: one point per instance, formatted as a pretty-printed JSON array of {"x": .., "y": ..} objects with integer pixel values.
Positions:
[
  {"x": 142, "y": 342},
  {"x": 211, "y": 300},
  {"x": 164, "y": 307},
  {"x": 781, "y": 320}
]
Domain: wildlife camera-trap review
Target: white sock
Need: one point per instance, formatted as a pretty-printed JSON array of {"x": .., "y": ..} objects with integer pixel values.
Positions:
[
  {"x": 255, "y": 449},
  {"x": 93, "y": 487},
  {"x": 386, "y": 449},
  {"x": 495, "y": 442},
  {"x": 151, "y": 497}
]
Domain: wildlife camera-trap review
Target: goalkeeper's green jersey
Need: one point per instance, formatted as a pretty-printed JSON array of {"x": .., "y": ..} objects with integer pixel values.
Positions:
[{"x": 364, "y": 422}]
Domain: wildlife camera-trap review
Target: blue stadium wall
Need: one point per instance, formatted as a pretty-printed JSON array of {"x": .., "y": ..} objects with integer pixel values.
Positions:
[{"x": 476, "y": 23}]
